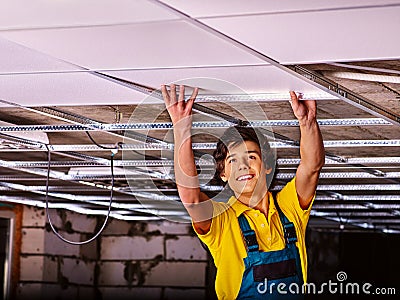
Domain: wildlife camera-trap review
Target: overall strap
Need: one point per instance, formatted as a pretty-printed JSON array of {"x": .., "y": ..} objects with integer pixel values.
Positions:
[
  {"x": 249, "y": 235},
  {"x": 288, "y": 227}
]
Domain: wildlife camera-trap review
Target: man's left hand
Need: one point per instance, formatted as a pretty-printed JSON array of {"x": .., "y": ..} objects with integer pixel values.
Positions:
[{"x": 304, "y": 110}]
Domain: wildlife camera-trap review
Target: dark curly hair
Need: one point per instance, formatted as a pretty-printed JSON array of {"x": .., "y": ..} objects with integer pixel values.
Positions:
[{"x": 234, "y": 136}]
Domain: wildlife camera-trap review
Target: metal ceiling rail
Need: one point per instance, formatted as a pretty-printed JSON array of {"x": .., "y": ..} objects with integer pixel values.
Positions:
[
  {"x": 127, "y": 215},
  {"x": 38, "y": 146},
  {"x": 168, "y": 125},
  {"x": 260, "y": 97},
  {"x": 80, "y": 121},
  {"x": 207, "y": 146},
  {"x": 285, "y": 176},
  {"x": 320, "y": 187},
  {"x": 392, "y": 161},
  {"x": 351, "y": 160},
  {"x": 355, "y": 220},
  {"x": 62, "y": 176},
  {"x": 94, "y": 199},
  {"x": 211, "y": 146},
  {"x": 93, "y": 189},
  {"x": 79, "y": 209},
  {"x": 359, "y": 198},
  {"x": 351, "y": 206},
  {"x": 136, "y": 207},
  {"x": 337, "y": 175},
  {"x": 21, "y": 142},
  {"x": 367, "y": 214},
  {"x": 353, "y": 187}
]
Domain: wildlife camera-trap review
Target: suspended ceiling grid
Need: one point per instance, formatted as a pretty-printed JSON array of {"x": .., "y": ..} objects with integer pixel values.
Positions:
[{"x": 51, "y": 52}]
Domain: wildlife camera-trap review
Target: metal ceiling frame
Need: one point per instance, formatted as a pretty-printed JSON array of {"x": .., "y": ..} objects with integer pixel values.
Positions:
[
  {"x": 82, "y": 179},
  {"x": 170, "y": 163},
  {"x": 86, "y": 124},
  {"x": 206, "y": 124},
  {"x": 150, "y": 195}
]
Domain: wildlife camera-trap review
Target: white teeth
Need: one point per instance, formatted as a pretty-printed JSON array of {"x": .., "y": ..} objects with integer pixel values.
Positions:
[{"x": 245, "y": 177}]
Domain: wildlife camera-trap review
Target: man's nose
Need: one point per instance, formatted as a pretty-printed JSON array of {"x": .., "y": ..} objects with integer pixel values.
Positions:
[{"x": 244, "y": 164}]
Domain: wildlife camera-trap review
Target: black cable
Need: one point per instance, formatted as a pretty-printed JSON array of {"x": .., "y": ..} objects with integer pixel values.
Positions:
[
  {"x": 47, "y": 202},
  {"x": 98, "y": 145},
  {"x": 119, "y": 145}
]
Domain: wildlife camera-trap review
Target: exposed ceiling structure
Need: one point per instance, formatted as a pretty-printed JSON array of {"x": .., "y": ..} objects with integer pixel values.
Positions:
[{"x": 79, "y": 80}]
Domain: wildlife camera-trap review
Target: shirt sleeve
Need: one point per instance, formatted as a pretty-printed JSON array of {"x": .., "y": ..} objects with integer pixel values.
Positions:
[
  {"x": 289, "y": 203},
  {"x": 218, "y": 223}
]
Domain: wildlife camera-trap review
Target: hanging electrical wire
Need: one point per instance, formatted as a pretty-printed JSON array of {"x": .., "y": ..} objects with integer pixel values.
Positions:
[{"x": 114, "y": 150}]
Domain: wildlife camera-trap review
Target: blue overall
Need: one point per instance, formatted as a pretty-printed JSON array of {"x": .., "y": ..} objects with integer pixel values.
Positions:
[{"x": 264, "y": 271}]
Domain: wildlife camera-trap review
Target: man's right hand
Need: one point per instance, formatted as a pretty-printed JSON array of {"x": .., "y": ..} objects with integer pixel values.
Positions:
[{"x": 179, "y": 109}]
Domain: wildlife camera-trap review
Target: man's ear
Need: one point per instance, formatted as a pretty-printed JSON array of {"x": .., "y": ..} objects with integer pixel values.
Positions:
[
  {"x": 223, "y": 177},
  {"x": 268, "y": 171}
]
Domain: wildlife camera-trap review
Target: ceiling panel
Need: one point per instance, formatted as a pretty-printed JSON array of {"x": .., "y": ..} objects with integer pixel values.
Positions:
[
  {"x": 209, "y": 8},
  {"x": 64, "y": 89},
  {"x": 348, "y": 35},
  {"x": 18, "y": 14},
  {"x": 31, "y": 78},
  {"x": 149, "y": 45},
  {"x": 254, "y": 79},
  {"x": 16, "y": 58}
]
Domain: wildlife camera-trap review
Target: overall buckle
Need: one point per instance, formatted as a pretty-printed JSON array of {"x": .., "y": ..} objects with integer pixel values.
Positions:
[
  {"x": 290, "y": 233},
  {"x": 251, "y": 241}
]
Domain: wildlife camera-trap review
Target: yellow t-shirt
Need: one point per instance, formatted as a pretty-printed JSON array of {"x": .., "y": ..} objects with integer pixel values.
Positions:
[{"x": 226, "y": 243}]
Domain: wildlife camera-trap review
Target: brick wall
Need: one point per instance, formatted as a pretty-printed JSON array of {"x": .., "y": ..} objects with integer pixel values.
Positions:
[{"x": 130, "y": 260}]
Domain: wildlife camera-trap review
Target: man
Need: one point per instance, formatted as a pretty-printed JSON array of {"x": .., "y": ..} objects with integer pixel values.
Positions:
[{"x": 257, "y": 240}]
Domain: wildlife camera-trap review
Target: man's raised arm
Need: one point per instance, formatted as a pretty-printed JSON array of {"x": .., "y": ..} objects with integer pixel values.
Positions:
[
  {"x": 312, "y": 153},
  {"x": 186, "y": 177}
]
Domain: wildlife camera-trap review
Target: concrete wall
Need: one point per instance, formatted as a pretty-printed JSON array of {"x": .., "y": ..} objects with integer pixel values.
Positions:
[{"x": 130, "y": 260}]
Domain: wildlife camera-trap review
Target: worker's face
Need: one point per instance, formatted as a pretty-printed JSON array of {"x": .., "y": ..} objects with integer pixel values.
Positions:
[{"x": 244, "y": 170}]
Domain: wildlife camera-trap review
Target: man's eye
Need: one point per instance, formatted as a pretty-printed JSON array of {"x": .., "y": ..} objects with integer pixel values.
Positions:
[{"x": 252, "y": 157}]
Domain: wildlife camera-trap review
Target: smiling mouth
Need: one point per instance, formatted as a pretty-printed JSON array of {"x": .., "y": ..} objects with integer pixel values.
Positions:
[{"x": 245, "y": 177}]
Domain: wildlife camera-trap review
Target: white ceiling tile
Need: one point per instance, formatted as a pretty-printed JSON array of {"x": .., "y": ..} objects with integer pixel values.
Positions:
[
  {"x": 64, "y": 89},
  {"x": 17, "y": 14},
  {"x": 147, "y": 45},
  {"x": 357, "y": 34},
  {"x": 212, "y": 8},
  {"x": 17, "y": 58},
  {"x": 256, "y": 79}
]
